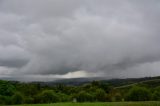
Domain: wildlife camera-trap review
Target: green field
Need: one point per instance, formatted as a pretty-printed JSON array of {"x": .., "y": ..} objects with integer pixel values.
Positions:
[{"x": 99, "y": 104}]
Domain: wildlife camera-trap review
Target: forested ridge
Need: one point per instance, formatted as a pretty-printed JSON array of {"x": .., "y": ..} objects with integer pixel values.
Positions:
[{"x": 140, "y": 89}]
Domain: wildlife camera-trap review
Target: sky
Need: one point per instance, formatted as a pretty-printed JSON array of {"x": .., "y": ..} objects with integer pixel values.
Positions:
[{"x": 43, "y": 40}]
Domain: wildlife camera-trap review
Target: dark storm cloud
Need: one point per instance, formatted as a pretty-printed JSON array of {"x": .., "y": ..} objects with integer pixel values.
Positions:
[{"x": 62, "y": 36}]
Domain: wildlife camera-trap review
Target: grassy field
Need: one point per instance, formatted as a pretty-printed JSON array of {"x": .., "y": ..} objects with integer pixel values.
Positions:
[{"x": 99, "y": 104}]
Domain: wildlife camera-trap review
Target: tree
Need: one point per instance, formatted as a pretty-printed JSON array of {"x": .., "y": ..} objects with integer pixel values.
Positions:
[
  {"x": 114, "y": 96},
  {"x": 6, "y": 88},
  {"x": 47, "y": 96},
  {"x": 83, "y": 97},
  {"x": 2, "y": 99},
  {"x": 28, "y": 100},
  {"x": 101, "y": 95},
  {"x": 95, "y": 83},
  {"x": 106, "y": 87},
  {"x": 17, "y": 98},
  {"x": 138, "y": 94},
  {"x": 156, "y": 94},
  {"x": 28, "y": 89},
  {"x": 7, "y": 100},
  {"x": 63, "y": 97}
]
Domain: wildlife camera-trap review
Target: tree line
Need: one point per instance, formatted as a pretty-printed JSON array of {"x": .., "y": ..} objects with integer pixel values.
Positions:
[{"x": 96, "y": 91}]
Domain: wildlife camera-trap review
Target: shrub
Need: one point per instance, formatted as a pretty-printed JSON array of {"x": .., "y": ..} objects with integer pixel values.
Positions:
[{"x": 138, "y": 94}]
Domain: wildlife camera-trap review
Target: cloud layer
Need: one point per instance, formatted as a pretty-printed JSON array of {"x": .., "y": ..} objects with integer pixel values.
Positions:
[{"x": 108, "y": 38}]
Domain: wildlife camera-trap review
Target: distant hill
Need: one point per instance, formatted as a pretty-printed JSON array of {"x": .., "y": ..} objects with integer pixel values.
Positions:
[
  {"x": 151, "y": 81},
  {"x": 117, "y": 83},
  {"x": 71, "y": 81}
]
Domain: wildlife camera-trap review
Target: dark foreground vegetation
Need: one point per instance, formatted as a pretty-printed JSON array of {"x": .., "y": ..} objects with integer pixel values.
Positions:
[
  {"x": 95, "y": 91},
  {"x": 99, "y": 104}
]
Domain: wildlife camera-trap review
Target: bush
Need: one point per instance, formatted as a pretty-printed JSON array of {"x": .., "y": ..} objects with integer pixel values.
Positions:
[{"x": 138, "y": 94}]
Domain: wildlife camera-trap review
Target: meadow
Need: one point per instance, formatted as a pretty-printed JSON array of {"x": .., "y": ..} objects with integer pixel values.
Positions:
[{"x": 98, "y": 104}]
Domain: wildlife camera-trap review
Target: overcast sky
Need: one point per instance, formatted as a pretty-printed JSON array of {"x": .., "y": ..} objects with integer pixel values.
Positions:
[{"x": 48, "y": 39}]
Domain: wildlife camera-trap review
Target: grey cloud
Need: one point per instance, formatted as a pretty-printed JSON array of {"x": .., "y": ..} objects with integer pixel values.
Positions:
[
  {"x": 12, "y": 56},
  {"x": 40, "y": 8},
  {"x": 57, "y": 37}
]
